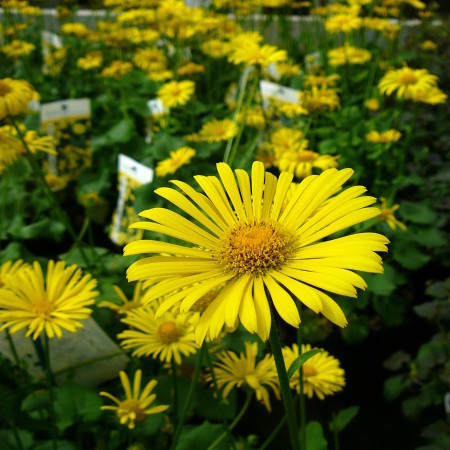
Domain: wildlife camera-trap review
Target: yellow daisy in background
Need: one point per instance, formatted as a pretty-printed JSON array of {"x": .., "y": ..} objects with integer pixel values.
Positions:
[
  {"x": 92, "y": 60},
  {"x": 16, "y": 49},
  {"x": 218, "y": 130},
  {"x": 256, "y": 251},
  {"x": 387, "y": 215},
  {"x": 302, "y": 162},
  {"x": 14, "y": 96},
  {"x": 384, "y": 137},
  {"x": 322, "y": 374},
  {"x": 343, "y": 23},
  {"x": 127, "y": 305},
  {"x": 234, "y": 370},
  {"x": 372, "y": 104},
  {"x": 117, "y": 69},
  {"x": 9, "y": 268},
  {"x": 255, "y": 54},
  {"x": 318, "y": 100},
  {"x": 407, "y": 82},
  {"x": 178, "y": 158},
  {"x": 47, "y": 306},
  {"x": 136, "y": 405},
  {"x": 431, "y": 96},
  {"x": 150, "y": 59},
  {"x": 170, "y": 336},
  {"x": 176, "y": 93},
  {"x": 428, "y": 46},
  {"x": 348, "y": 55}
]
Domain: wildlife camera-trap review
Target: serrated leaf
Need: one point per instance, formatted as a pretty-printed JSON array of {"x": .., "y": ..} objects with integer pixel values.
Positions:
[
  {"x": 300, "y": 360},
  {"x": 315, "y": 438}
]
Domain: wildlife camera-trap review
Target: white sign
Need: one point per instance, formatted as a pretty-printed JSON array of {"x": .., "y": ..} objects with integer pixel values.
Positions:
[{"x": 79, "y": 108}]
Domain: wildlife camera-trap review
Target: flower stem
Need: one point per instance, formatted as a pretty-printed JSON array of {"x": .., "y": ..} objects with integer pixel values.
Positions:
[
  {"x": 234, "y": 423},
  {"x": 274, "y": 433},
  {"x": 50, "y": 381},
  {"x": 284, "y": 385},
  {"x": 302, "y": 393},
  {"x": 189, "y": 398},
  {"x": 175, "y": 391}
]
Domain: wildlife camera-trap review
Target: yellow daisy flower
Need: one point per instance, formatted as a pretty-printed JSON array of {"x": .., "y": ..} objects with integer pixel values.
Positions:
[
  {"x": 136, "y": 404},
  {"x": 372, "y": 104},
  {"x": 321, "y": 80},
  {"x": 127, "y": 305},
  {"x": 387, "y": 215},
  {"x": 254, "y": 54},
  {"x": 384, "y": 137},
  {"x": 170, "y": 336},
  {"x": 190, "y": 68},
  {"x": 16, "y": 49},
  {"x": 322, "y": 374},
  {"x": 348, "y": 55},
  {"x": 150, "y": 59},
  {"x": 258, "y": 252},
  {"x": 215, "y": 48},
  {"x": 235, "y": 371},
  {"x": 431, "y": 96},
  {"x": 92, "y": 60},
  {"x": 407, "y": 82},
  {"x": 176, "y": 93},
  {"x": 14, "y": 96},
  {"x": 428, "y": 46},
  {"x": 218, "y": 130},
  {"x": 59, "y": 301},
  {"x": 342, "y": 23},
  {"x": 318, "y": 100},
  {"x": 178, "y": 158}
]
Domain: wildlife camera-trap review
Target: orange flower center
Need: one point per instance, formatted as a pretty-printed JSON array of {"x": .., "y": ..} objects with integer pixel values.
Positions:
[
  {"x": 43, "y": 307},
  {"x": 4, "y": 88},
  {"x": 308, "y": 371},
  {"x": 306, "y": 156},
  {"x": 131, "y": 408},
  {"x": 408, "y": 78},
  {"x": 254, "y": 248},
  {"x": 168, "y": 332}
]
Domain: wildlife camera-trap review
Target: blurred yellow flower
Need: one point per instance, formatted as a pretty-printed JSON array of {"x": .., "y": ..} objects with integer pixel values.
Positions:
[
  {"x": 136, "y": 404},
  {"x": 432, "y": 96},
  {"x": 384, "y": 137},
  {"x": 321, "y": 80},
  {"x": 190, "y": 68},
  {"x": 10, "y": 268},
  {"x": 342, "y": 23},
  {"x": 254, "y": 54},
  {"x": 178, "y": 158},
  {"x": 16, "y": 49},
  {"x": 127, "y": 305},
  {"x": 348, "y": 55},
  {"x": 14, "y": 96},
  {"x": 176, "y": 93},
  {"x": 117, "y": 69},
  {"x": 318, "y": 100},
  {"x": 218, "y": 130},
  {"x": 372, "y": 103},
  {"x": 387, "y": 215},
  {"x": 428, "y": 46},
  {"x": 150, "y": 59}
]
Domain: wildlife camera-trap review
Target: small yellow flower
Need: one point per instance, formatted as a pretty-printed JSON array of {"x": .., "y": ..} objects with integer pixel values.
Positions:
[
  {"x": 322, "y": 374},
  {"x": 136, "y": 404},
  {"x": 343, "y": 23},
  {"x": 177, "y": 159},
  {"x": 319, "y": 100},
  {"x": 14, "y": 96},
  {"x": 348, "y": 55},
  {"x": 321, "y": 80},
  {"x": 176, "y": 93},
  {"x": 387, "y": 215},
  {"x": 372, "y": 104},
  {"x": 254, "y": 54},
  {"x": 236, "y": 371},
  {"x": 117, "y": 69},
  {"x": 384, "y": 137},
  {"x": 190, "y": 69},
  {"x": 16, "y": 49},
  {"x": 92, "y": 60},
  {"x": 150, "y": 59},
  {"x": 218, "y": 130},
  {"x": 127, "y": 305},
  {"x": 428, "y": 46},
  {"x": 215, "y": 48}
]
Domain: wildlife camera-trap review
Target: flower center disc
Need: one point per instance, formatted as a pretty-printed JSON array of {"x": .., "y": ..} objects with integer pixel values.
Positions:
[
  {"x": 4, "y": 89},
  {"x": 308, "y": 371},
  {"x": 168, "y": 332},
  {"x": 254, "y": 248},
  {"x": 43, "y": 307},
  {"x": 131, "y": 407},
  {"x": 408, "y": 78}
]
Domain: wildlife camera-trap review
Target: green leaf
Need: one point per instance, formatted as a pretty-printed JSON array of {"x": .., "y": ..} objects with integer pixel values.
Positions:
[
  {"x": 216, "y": 409},
  {"x": 202, "y": 437},
  {"x": 120, "y": 133},
  {"x": 408, "y": 255},
  {"x": 384, "y": 283},
  {"x": 343, "y": 418},
  {"x": 395, "y": 386},
  {"x": 417, "y": 212},
  {"x": 60, "y": 445},
  {"x": 300, "y": 360},
  {"x": 45, "y": 228},
  {"x": 75, "y": 256},
  {"x": 357, "y": 330},
  {"x": 391, "y": 309},
  {"x": 36, "y": 401},
  {"x": 315, "y": 438},
  {"x": 433, "y": 310},
  {"x": 76, "y": 403},
  {"x": 9, "y": 441}
]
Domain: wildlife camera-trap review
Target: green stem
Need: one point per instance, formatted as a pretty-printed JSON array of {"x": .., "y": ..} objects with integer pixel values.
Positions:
[
  {"x": 302, "y": 393},
  {"x": 13, "y": 348},
  {"x": 175, "y": 391},
  {"x": 335, "y": 433},
  {"x": 50, "y": 381},
  {"x": 242, "y": 87},
  {"x": 284, "y": 385},
  {"x": 189, "y": 398},
  {"x": 49, "y": 192},
  {"x": 234, "y": 423},
  {"x": 274, "y": 433},
  {"x": 3, "y": 224}
]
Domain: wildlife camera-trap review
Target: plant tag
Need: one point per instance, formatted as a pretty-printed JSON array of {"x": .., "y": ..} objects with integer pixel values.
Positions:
[
  {"x": 132, "y": 174},
  {"x": 75, "y": 109},
  {"x": 272, "y": 71},
  {"x": 274, "y": 91},
  {"x": 156, "y": 107},
  {"x": 88, "y": 357},
  {"x": 447, "y": 402}
]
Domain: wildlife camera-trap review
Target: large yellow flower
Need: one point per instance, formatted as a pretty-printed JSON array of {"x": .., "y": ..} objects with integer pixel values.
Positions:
[
  {"x": 257, "y": 252},
  {"x": 235, "y": 371},
  {"x": 8, "y": 269},
  {"x": 407, "y": 82},
  {"x": 136, "y": 404},
  {"x": 176, "y": 93},
  {"x": 14, "y": 96},
  {"x": 322, "y": 374},
  {"x": 60, "y": 301}
]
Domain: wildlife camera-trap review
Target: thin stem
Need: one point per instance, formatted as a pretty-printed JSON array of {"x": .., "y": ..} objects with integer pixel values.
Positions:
[
  {"x": 49, "y": 192},
  {"x": 50, "y": 381},
  {"x": 189, "y": 398},
  {"x": 13, "y": 348},
  {"x": 284, "y": 385},
  {"x": 175, "y": 391},
  {"x": 274, "y": 433},
  {"x": 234, "y": 423},
  {"x": 302, "y": 393}
]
